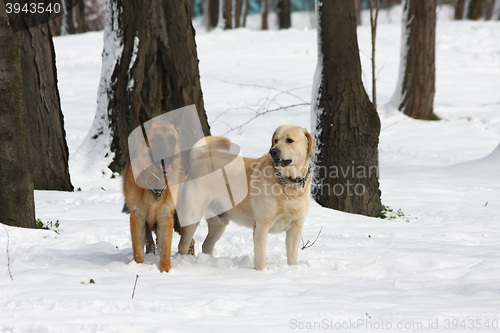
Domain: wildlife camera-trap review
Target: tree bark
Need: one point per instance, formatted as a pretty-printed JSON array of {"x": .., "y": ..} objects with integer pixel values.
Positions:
[
  {"x": 228, "y": 13},
  {"x": 373, "y": 26},
  {"x": 284, "y": 14},
  {"x": 475, "y": 10},
  {"x": 359, "y": 5},
  {"x": 489, "y": 9},
  {"x": 237, "y": 13},
  {"x": 56, "y": 26},
  {"x": 459, "y": 9},
  {"x": 89, "y": 16},
  {"x": 80, "y": 17},
  {"x": 345, "y": 123},
  {"x": 265, "y": 13},
  {"x": 211, "y": 9},
  {"x": 157, "y": 67},
  {"x": 245, "y": 12},
  {"x": 416, "y": 85},
  {"x": 45, "y": 121},
  {"x": 69, "y": 20},
  {"x": 17, "y": 207}
]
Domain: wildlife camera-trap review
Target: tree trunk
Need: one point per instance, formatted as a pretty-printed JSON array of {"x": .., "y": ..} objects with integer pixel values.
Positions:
[
  {"x": 459, "y": 9},
  {"x": 373, "y": 26},
  {"x": 245, "y": 12},
  {"x": 69, "y": 20},
  {"x": 56, "y": 25},
  {"x": 228, "y": 13},
  {"x": 359, "y": 7},
  {"x": 80, "y": 17},
  {"x": 284, "y": 14},
  {"x": 17, "y": 206},
  {"x": 149, "y": 60},
  {"x": 211, "y": 9},
  {"x": 47, "y": 138},
  {"x": 237, "y": 13},
  {"x": 416, "y": 85},
  {"x": 345, "y": 123},
  {"x": 95, "y": 12},
  {"x": 475, "y": 11},
  {"x": 265, "y": 13},
  {"x": 490, "y": 8},
  {"x": 89, "y": 15}
]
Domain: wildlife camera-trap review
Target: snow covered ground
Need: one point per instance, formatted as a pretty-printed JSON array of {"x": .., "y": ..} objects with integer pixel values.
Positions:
[{"x": 436, "y": 268}]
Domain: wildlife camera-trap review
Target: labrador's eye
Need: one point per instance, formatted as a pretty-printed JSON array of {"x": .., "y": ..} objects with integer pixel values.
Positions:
[
  {"x": 289, "y": 140},
  {"x": 275, "y": 140}
]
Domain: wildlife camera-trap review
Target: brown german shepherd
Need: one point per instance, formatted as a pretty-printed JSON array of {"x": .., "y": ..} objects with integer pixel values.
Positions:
[{"x": 150, "y": 208}]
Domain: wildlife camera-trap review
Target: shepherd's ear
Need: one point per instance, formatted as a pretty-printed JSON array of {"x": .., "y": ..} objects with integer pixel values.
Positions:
[
  {"x": 311, "y": 142},
  {"x": 143, "y": 115}
]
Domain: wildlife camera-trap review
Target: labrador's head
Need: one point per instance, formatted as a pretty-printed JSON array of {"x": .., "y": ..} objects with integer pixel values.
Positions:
[{"x": 291, "y": 149}]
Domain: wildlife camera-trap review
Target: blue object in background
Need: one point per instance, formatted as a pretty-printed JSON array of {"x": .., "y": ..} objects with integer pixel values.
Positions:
[{"x": 297, "y": 5}]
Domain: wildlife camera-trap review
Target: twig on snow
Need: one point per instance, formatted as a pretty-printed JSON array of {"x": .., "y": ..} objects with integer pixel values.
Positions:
[
  {"x": 8, "y": 255},
  {"x": 135, "y": 284},
  {"x": 308, "y": 244}
]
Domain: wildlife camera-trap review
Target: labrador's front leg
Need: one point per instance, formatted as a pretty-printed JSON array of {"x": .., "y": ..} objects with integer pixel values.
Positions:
[
  {"x": 293, "y": 237},
  {"x": 260, "y": 232}
]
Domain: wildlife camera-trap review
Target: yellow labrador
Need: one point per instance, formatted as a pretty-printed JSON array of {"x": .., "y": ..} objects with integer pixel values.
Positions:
[{"x": 277, "y": 200}]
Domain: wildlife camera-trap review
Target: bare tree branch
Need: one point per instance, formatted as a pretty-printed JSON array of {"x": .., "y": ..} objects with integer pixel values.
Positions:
[
  {"x": 258, "y": 114},
  {"x": 264, "y": 105}
]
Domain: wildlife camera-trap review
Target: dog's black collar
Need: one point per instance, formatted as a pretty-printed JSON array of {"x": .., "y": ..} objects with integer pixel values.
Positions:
[{"x": 299, "y": 182}]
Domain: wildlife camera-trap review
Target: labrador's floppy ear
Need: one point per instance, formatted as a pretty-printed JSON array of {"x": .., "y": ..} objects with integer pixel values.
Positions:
[
  {"x": 272, "y": 140},
  {"x": 311, "y": 143}
]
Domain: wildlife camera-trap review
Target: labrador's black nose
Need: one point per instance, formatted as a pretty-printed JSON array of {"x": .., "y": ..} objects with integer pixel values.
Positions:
[{"x": 275, "y": 154}]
